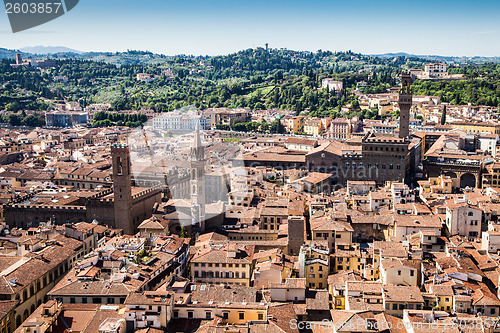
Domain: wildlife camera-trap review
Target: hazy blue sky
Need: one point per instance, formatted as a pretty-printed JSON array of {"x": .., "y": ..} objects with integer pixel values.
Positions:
[{"x": 445, "y": 27}]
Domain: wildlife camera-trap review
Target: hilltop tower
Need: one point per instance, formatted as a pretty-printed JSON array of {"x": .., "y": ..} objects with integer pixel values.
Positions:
[
  {"x": 122, "y": 188},
  {"x": 405, "y": 101},
  {"x": 197, "y": 181}
]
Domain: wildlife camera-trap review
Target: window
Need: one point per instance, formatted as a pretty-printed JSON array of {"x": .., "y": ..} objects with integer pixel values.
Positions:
[
  {"x": 241, "y": 315},
  {"x": 208, "y": 315},
  {"x": 338, "y": 236},
  {"x": 399, "y": 272},
  {"x": 84, "y": 300},
  {"x": 394, "y": 306},
  {"x": 412, "y": 272},
  {"x": 176, "y": 314},
  {"x": 225, "y": 315},
  {"x": 260, "y": 316},
  {"x": 72, "y": 300},
  {"x": 190, "y": 314}
]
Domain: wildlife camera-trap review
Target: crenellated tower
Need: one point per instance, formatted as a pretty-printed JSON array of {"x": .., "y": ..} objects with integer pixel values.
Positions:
[
  {"x": 122, "y": 188},
  {"x": 405, "y": 102}
]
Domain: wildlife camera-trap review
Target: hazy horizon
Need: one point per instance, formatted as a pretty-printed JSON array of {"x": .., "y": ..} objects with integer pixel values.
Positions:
[
  {"x": 187, "y": 54},
  {"x": 197, "y": 27}
]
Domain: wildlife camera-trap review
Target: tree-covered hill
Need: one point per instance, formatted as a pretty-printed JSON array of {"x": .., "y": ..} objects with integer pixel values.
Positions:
[{"x": 252, "y": 78}]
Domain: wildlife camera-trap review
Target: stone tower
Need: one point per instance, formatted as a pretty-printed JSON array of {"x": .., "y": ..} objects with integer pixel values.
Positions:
[
  {"x": 197, "y": 182},
  {"x": 405, "y": 101},
  {"x": 122, "y": 188},
  {"x": 295, "y": 234}
]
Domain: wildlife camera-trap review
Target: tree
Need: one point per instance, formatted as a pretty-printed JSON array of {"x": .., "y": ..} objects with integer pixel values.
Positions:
[
  {"x": 183, "y": 232},
  {"x": 33, "y": 120},
  {"x": 222, "y": 127},
  {"x": 443, "y": 116},
  {"x": 258, "y": 106},
  {"x": 161, "y": 107},
  {"x": 13, "y": 119},
  {"x": 277, "y": 127}
]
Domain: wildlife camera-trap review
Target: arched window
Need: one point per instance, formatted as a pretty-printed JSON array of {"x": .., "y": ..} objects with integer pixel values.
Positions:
[{"x": 119, "y": 165}]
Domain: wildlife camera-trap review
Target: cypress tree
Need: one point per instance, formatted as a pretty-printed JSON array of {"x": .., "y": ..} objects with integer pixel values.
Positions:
[{"x": 443, "y": 116}]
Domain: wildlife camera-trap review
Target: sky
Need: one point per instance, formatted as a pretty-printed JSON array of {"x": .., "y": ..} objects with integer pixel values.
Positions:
[{"x": 212, "y": 27}]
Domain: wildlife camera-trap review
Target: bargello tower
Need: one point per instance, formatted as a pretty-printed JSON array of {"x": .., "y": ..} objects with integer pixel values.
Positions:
[
  {"x": 197, "y": 182},
  {"x": 405, "y": 101},
  {"x": 122, "y": 188}
]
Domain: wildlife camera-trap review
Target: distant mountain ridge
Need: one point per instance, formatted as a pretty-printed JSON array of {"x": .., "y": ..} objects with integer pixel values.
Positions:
[
  {"x": 48, "y": 50},
  {"x": 447, "y": 59},
  {"x": 8, "y": 54},
  {"x": 146, "y": 57}
]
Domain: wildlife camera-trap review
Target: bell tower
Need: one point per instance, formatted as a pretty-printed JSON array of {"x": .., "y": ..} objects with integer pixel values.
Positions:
[
  {"x": 122, "y": 188},
  {"x": 197, "y": 182},
  {"x": 405, "y": 101}
]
